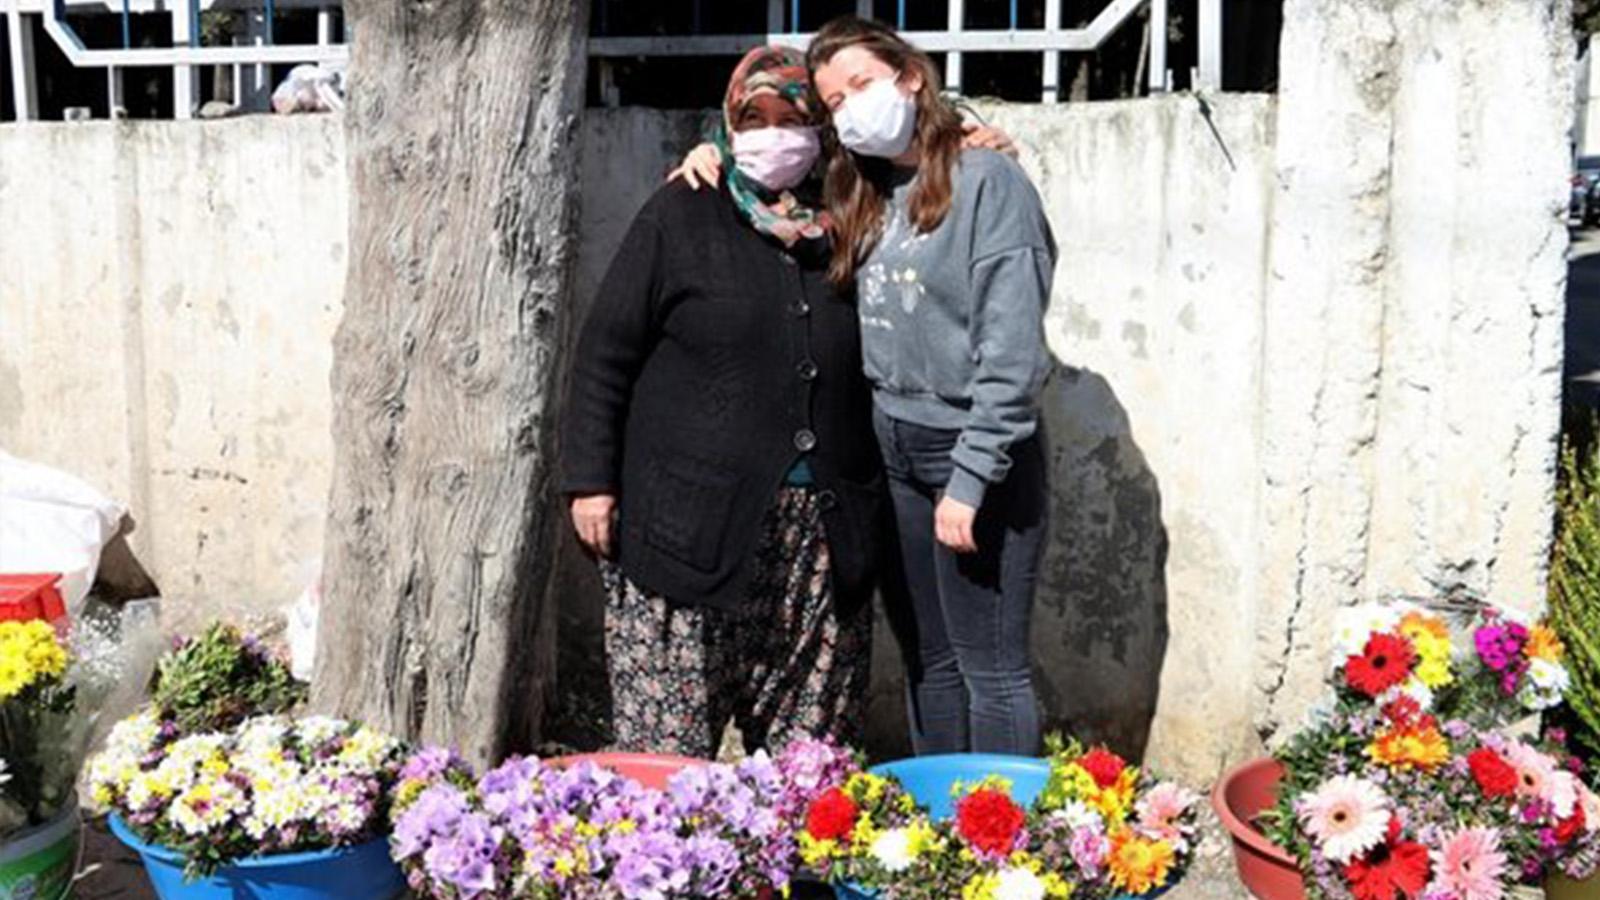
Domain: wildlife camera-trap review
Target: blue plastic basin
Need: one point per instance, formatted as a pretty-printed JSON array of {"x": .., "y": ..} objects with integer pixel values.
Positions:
[
  {"x": 929, "y": 779},
  {"x": 362, "y": 872}
]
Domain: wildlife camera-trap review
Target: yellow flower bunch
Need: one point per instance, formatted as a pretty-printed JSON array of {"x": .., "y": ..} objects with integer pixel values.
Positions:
[
  {"x": 30, "y": 654},
  {"x": 1113, "y": 801},
  {"x": 1430, "y": 637},
  {"x": 1139, "y": 864}
]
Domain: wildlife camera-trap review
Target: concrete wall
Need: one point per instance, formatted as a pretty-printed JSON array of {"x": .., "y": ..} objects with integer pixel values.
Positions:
[
  {"x": 1310, "y": 347},
  {"x": 167, "y": 296}
]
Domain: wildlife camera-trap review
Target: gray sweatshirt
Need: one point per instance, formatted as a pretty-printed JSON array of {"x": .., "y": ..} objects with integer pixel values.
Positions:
[{"x": 952, "y": 321}]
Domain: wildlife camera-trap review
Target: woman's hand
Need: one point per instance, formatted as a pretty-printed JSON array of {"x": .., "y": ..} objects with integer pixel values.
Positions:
[
  {"x": 592, "y": 518},
  {"x": 987, "y": 137},
  {"x": 952, "y": 525},
  {"x": 703, "y": 165}
]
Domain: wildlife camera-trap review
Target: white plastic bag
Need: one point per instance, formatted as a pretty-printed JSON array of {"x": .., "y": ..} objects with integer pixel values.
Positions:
[
  {"x": 310, "y": 88},
  {"x": 53, "y": 522},
  {"x": 302, "y": 630}
]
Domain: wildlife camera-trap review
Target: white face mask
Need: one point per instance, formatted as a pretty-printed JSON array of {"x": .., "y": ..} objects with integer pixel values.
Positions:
[
  {"x": 879, "y": 121},
  {"x": 777, "y": 157}
]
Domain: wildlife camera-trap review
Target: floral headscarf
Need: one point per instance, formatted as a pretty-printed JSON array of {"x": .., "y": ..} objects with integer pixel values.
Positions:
[{"x": 779, "y": 70}]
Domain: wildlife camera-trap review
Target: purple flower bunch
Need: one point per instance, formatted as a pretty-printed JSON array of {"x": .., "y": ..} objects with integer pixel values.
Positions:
[
  {"x": 531, "y": 829},
  {"x": 1500, "y": 644},
  {"x": 806, "y": 768}
]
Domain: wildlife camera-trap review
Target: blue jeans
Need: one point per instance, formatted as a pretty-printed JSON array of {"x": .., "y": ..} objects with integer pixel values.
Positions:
[{"x": 962, "y": 620}]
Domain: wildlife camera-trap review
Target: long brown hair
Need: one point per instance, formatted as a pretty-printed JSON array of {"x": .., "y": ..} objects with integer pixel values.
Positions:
[{"x": 854, "y": 187}]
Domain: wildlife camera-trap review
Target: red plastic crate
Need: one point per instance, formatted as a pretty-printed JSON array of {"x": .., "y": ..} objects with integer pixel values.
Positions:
[{"x": 24, "y": 597}]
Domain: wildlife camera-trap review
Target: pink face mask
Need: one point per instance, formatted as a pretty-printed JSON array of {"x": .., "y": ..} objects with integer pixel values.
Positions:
[{"x": 777, "y": 157}]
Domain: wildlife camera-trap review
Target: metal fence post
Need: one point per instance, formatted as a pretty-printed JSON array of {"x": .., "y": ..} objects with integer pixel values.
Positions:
[
  {"x": 1210, "y": 36},
  {"x": 952, "y": 58},
  {"x": 24, "y": 84}
]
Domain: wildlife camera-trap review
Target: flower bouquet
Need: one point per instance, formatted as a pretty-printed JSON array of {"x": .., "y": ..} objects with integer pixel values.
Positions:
[
  {"x": 270, "y": 787},
  {"x": 1410, "y": 786},
  {"x": 537, "y": 830},
  {"x": 53, "y": 686},
  {"x": 1096, "y": 828},
  {"x": 216, "y": 679}
]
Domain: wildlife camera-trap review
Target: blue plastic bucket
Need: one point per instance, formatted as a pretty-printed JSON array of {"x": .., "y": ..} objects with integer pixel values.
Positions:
[
  {"x": 929, "y": 779},
  {"x": 362, "y": 872}
]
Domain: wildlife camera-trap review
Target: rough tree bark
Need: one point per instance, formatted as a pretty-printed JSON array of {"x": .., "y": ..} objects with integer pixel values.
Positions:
[{"x": 461, "y": 129}]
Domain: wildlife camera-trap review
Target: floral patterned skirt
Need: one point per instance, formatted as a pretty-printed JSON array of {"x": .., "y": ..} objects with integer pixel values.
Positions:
[{"x": 783, "y": 664}]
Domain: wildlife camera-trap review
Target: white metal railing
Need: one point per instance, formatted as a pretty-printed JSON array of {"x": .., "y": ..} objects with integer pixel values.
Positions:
[
  {"x": 1052, "y": 40},
  {"x": 184, "y": 56}
]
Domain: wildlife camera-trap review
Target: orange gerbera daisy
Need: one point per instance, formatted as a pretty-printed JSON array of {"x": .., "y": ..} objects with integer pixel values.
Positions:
[
  {"x": 1414, "y": 747},
  {"x": 1543, "y": 643},
  {"x": 1137, "y": 864}
]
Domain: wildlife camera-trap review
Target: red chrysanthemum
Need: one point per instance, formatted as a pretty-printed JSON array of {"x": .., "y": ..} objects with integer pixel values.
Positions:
[
  {"x": 989, "y": 821},
  {"x": 832, "y": 816},
  {"x": 1494, "y": 775},
  {"x": 1103, "y": 766},
  {"x": 1568, "y": 829},
  {"x": 1385, "y": 662},
  {"x": 1393, "y": 870}
]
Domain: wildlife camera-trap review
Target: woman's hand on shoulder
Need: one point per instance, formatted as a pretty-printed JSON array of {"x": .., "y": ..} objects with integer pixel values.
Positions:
[
  {"x": 594, "y": 519},
  {"x": 987, "y": 137},
  {"x": 703, "y": 165}
]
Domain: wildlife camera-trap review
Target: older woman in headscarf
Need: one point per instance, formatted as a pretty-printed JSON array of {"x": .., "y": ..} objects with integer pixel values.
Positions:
[{"x": 718, "y": 451}]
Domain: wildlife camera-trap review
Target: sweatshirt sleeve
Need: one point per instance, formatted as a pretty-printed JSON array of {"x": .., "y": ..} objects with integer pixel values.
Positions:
[
  {"x": 1011, "y": 274},
  {"x": 613, "y": 344}
]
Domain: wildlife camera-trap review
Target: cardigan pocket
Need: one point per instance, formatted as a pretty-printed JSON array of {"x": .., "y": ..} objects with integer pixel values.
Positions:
[{"x": 690, "y": 503}]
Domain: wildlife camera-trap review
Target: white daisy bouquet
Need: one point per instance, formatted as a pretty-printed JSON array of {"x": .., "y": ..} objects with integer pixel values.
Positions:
[
  {"x": 1411, "y": 785},
  {"x": 270, "y": 785}
]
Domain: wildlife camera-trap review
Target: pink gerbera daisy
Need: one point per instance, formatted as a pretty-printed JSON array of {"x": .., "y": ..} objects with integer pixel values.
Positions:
[
  {"x": 1539, "y": 778},
  {"x": 1160, "y": 810},
  {"x": 1346, "y": 816},
  {"x": 1470, "y": 865}
]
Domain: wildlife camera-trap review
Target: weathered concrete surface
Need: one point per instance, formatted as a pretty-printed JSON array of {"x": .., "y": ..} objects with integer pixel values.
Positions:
[
  {"x": 1311, "y": 351},
  {"x": 1412, "y": 328},
  {"x": 167, "y": 295}
]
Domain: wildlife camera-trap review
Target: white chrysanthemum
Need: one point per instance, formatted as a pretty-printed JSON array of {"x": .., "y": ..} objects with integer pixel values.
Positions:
[
  {"x": 1079, "y": 814},
  {"x": 1544, "y": 686},
  {"x": 205, "y": 806},
  {"x": 146, "y": 787},
  {"x": 135, "y": 736},
  {"x": 263, "y": 733},
  {"x": 1353, "y": 625},
  {"x": 1413, "y": 688},
  {"x": 1018, "y": 884},
  {"x": 365, "y": 750},
  {"x": 320, "y": 729},
  {"x": 279, "y": 806},
  {"x": 892, "y": 850}
]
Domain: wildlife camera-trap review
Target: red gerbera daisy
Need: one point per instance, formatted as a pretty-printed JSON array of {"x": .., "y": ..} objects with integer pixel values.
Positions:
[
  {"x": 1103, "y": 766},
  {"x": 832, "y": 816},
  {"x": 1385, "y": 662},
  {"x": 1393, "y": 870},
  {"x": 1569, "y": 828},
  {"x": 1494, "y": 775},
  {"x": 989, "y": 821}
]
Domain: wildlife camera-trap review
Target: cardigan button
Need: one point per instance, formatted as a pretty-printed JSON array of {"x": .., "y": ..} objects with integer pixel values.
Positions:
[
  {"x": 827, "y": 500},
  {"x": 807, "y": 370},
  {"x": 805, "y": 440},
  {"x": 800, "y": 309}
]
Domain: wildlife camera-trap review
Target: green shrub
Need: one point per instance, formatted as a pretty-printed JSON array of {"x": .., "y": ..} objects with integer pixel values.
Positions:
[
  {"x": 219, "y": 678},
  {"x": 1575, "y": 583}
]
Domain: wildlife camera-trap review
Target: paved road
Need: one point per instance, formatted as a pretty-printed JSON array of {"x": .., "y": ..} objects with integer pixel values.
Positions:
[{"x": 1583, "y": 318}]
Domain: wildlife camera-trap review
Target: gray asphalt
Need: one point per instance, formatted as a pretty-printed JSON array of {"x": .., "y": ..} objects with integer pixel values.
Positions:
[{"x": 1582, "y": 368}]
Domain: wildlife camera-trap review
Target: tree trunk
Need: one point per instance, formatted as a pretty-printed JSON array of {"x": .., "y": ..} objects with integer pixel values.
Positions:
[{"x": 462, "y": 131}]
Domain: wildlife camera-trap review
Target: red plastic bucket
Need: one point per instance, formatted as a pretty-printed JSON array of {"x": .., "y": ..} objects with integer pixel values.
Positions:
[
  {"x": 652, "y": 770},
  {"x": 1268, "y": 870},
  {"x": 24, "y": 597}
]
